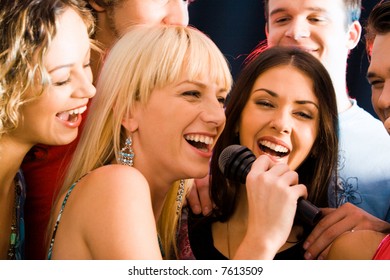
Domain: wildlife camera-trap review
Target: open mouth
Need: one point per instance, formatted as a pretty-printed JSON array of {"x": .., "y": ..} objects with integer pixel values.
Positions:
[
  {"x": 273, "y": 149},
  {"x": 71, "y": 115},
  {"x": 200, "y": 142}
]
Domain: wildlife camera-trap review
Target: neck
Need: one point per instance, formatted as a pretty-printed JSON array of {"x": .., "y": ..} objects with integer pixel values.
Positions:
[
  {"x": 158, "y": 192},
  {"x": 105, "y": 38},
  {"x": 342, "y": 97}
]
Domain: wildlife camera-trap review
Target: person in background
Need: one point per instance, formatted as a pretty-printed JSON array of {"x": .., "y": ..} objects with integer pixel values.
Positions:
[
  {"x": 45, "y": 85},
  {"x": 329, "y": 30},
  {"x": 365, "y": 244},
  {"x": 46, "y": 165},
  {"x": 291, "y": 127}
]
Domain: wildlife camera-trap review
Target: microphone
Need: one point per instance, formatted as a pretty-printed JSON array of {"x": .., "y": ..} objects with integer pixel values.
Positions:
[{"x": 236, "y": 161}]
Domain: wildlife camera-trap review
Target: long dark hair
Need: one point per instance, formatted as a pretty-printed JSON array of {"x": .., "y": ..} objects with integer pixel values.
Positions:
[{"x": 318, "y": 170}]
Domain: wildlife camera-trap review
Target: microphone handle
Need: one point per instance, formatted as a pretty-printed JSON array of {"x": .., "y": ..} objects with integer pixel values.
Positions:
[{"x": 308, "y": 212}]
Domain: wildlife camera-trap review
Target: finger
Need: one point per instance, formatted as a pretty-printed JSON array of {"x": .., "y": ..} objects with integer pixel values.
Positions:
[
  {"x": 332, "y": 226},
  {"x": 193, "y": 200},
  {"x": 203, "y": 188}
]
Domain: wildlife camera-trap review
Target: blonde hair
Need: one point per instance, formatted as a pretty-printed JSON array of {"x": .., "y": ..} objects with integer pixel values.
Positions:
[
  {"x": 28, "y": 28},
  {"x": 145, "y": 58}
]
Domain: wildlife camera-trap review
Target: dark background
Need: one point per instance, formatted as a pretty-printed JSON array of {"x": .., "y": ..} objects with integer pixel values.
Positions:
[{"x": 237, "y": 27}]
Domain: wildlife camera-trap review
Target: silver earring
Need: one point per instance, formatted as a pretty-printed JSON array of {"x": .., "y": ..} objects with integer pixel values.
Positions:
[
  {"x": 126, "y": 155},
  {"x": 179, "y": 196}
]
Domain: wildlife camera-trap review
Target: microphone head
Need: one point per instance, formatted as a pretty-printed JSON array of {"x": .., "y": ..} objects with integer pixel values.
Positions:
[{"x": 235, "y": 162}]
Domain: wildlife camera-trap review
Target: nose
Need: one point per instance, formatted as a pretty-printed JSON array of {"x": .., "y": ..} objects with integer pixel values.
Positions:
[
  {"x": 384, "y": 98},
  {"x": 298, "y": 29},
  {"x": 85, "y": 88},
  {"x": 213, "y": 112},
  {"x": 282, "y": 122},
  {"x": 383, "y": 102},
  {"x": 177, "y": 13}
]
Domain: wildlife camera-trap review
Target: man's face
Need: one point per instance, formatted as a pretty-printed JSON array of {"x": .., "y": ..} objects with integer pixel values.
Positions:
[
  {"x": 130, "y": 12},
  {"x": 317, "y": 26},
  {"x": 378, "y": 76}
]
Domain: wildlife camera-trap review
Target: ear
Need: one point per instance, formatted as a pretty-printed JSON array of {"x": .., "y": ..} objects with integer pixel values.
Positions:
[
  {"x": 354, "y": 33},
  {"x": 266, "y": 30},
  {"x": 130, "y": 121},
  {"x": 96, "y": 6}
]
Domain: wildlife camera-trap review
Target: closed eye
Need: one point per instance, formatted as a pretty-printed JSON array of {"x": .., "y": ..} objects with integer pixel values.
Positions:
[
  {"x": 304, "y": 115},
  {"x": 61, "y": 83},
  {"x": 222, "y": 101},
  {"x": 376, "y": 83},
  {"x": 192, "y": 93},
  {"x": 265, "y": 103},
  {"x": 282, "y": 20}
]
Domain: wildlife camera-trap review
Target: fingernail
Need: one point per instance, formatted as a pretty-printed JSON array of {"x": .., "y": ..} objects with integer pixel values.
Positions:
[
  {"x": 320, "y": 257},
  {"x": 308, "y": 256},
  {"x": 206, "y": 210},
  {"x": 306, "y": 245},
  {"x": 196, "y": 209}
]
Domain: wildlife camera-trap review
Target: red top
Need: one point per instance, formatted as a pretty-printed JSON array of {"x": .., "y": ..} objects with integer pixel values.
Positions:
[
  {"x": 383, "y": 251},
  {"x": 43, "y": 170}
]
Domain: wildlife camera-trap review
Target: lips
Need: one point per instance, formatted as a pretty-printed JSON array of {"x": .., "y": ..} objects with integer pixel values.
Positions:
[
  {"x": 200, "y": 142},
  {"x": 71, "y": 116},
  {"x": 273, "y": 149}
]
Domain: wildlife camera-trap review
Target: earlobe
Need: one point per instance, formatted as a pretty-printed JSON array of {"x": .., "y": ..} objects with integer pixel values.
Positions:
[
  {"x": 354, "y": 33},
  {"x": 130, "y": 123},
  {"x": 96, "y": 6}
]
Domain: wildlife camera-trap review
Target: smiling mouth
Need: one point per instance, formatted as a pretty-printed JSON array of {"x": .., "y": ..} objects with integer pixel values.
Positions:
[
  {"x": 273, "y": 149},
  {"x": 200, "y": 142},
  {"x": 71, "y": 115}
]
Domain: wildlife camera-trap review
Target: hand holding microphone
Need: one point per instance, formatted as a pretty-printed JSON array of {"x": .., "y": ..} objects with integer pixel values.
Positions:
[{"x": 236, "y": 161}]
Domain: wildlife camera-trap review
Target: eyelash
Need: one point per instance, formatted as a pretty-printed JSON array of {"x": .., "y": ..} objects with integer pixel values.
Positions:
[
  {"x": 270, "y": 105},
  {"x": 375, "y": 83},
  {"x": 192, "y": 93},
  {"x": 197, "y": 94},
  {"x": 61, "y": 83}
]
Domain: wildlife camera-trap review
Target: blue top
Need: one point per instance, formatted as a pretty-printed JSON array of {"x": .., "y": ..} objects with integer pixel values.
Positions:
[
  {"x": 363, "y": 163},
  {"x": 20, "y": 186},
  {"x": 59, "y": 219}
]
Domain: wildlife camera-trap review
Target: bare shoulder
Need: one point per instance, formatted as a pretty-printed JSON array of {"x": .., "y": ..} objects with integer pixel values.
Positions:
[
  {"x": 115, "y": 178},
  {"x": 357, "y": 245},
  {"x": 110, "y": 189},
  {"x": 111, "y": 208}
]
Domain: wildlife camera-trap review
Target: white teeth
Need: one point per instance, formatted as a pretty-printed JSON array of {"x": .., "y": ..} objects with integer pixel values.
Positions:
[
  {"x": 200, "y": 138},
  {"x": 77, "y": 111},
  {"x": 273, "y": 146}
]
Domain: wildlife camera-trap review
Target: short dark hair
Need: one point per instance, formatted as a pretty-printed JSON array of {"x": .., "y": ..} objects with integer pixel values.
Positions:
[{"x": 378, "y": 22}]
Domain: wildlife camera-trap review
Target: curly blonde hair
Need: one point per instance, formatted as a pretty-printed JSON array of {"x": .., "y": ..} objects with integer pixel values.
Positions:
[{"x": 27, "y": 29}]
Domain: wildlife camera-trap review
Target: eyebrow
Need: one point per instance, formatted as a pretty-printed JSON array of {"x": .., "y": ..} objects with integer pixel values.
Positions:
[
  {"x": 69, "y": 65},
  {"x": 274, "y": 94},
  {"x": 60, "y": 67},
  {"x": 201, "y": 85},
  {"x": 282, "y": 10}
]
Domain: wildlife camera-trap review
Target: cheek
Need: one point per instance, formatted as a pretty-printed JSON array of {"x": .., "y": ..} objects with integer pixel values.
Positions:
[
  {"x": 374, "y": 99},
  {"x": 248, "y": 128}
]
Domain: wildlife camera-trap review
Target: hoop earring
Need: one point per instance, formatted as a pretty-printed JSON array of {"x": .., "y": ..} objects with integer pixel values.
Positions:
[
  {"x": 179, "y": 196},
  {"x": 126, "y": 155}
]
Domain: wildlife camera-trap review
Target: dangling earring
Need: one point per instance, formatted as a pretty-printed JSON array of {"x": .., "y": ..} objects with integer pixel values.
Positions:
[
  {"x": 126, "y": 155},
  {"x": 179, "y": 196}
]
